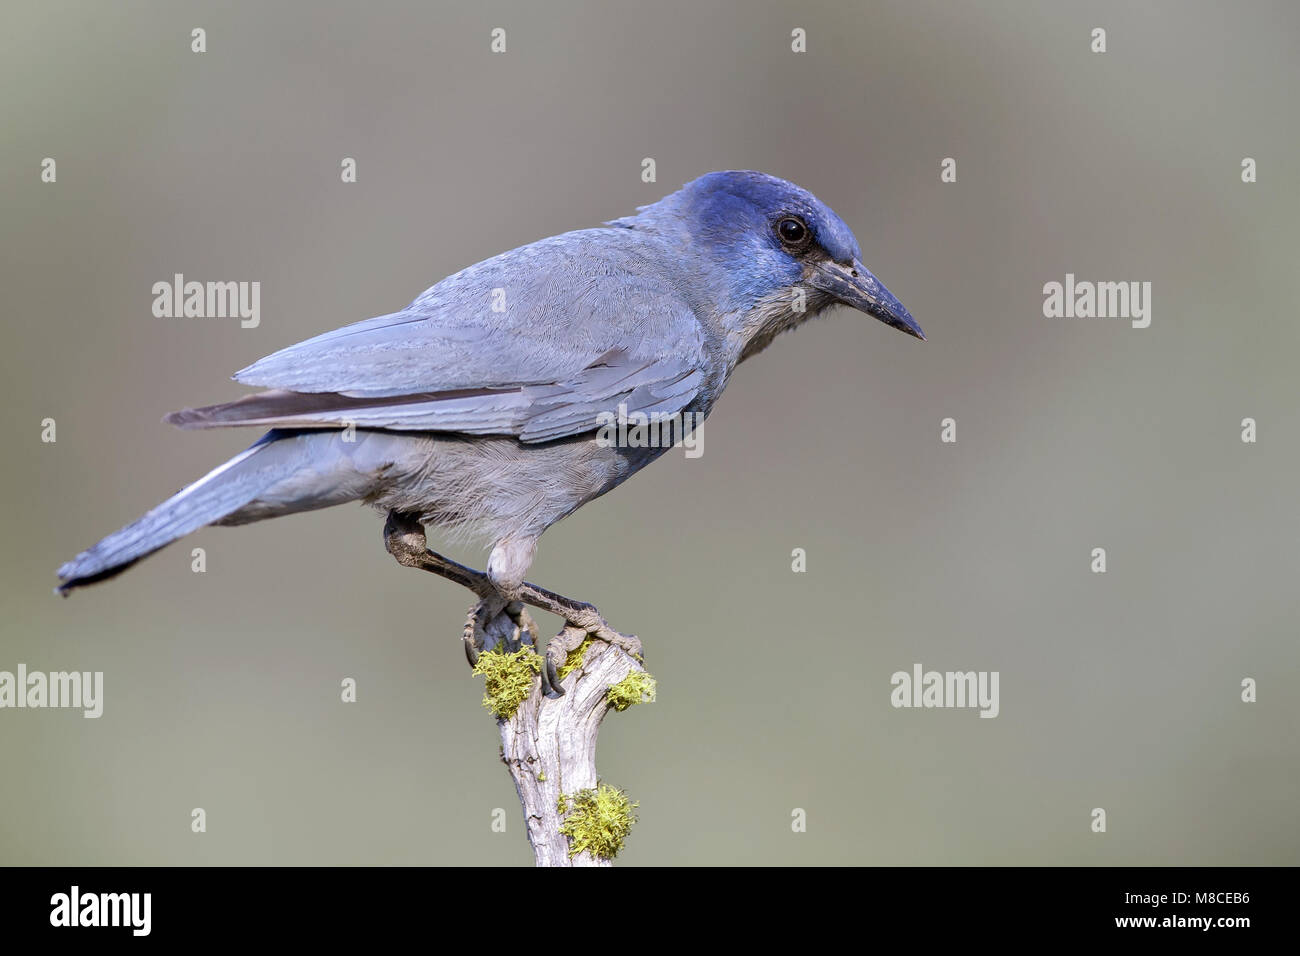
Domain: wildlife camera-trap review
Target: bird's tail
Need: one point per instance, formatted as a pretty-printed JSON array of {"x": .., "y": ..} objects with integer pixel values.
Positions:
[{"x": 284, "y": 472}]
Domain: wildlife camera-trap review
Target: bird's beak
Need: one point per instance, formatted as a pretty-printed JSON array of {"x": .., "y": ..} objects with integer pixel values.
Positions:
[{"x": 856, "y": 287}]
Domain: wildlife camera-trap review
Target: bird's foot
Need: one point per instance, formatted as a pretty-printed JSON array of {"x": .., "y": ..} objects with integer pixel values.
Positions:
[
  {"x": 491, "y": 624},
  {"x": 582, "y": 621}
]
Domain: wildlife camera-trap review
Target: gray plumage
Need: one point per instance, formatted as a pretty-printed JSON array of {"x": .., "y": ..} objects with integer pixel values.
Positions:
[{"x": 476, "y": 406}]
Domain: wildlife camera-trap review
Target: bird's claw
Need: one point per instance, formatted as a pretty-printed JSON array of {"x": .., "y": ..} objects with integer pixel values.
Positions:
[
  {"x": 571, "y": 637},
  {"x": 557, "y": 651},
  {"x": 489, "y": 625},
  {"x": 550, "y": 676}
]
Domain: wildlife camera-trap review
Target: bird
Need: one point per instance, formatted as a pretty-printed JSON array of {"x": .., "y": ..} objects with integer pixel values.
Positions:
[{"x": 475, "y": 408}]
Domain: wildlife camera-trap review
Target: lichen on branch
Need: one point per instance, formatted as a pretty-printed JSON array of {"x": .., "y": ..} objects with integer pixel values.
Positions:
[
  {"x": 596, "y": 821},
  {"x": 508, "y": 679},
  {"x": 638, "y": 687}
]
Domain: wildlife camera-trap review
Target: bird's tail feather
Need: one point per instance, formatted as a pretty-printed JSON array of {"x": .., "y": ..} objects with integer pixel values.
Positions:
[{"x": 280, "y": 474}]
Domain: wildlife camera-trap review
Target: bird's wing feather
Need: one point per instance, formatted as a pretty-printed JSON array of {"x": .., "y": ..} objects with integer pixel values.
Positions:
[{"x": 582, "y": 323}]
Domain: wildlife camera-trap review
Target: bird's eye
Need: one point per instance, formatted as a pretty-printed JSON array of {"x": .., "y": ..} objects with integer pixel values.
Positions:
[{"x": 792, "y": 231}]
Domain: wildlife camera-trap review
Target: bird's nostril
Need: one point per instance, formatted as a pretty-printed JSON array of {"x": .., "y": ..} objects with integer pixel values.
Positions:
[{"x": 854, "y": 273}]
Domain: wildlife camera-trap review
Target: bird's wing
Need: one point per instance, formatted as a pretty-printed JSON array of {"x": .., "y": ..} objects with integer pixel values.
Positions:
[{"x": 534, "y": 343}]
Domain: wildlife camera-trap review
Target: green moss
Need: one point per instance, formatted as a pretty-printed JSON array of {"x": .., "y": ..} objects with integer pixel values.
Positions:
[
  {"x": 597, "y": 821},
  {"x": 573, "y": 659},
  {"x": 508, "y": 679},
  {"x": 637, "y": 687}
]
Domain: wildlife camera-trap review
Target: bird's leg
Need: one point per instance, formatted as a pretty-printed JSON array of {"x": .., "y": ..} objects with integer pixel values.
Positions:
[
  {"x": 498, "y": 620},
  {"x": 404, "y": 538},
  {"x": 493, "y": 620}
]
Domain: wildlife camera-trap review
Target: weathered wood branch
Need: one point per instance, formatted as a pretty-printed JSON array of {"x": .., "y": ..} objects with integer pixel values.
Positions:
[{"x": 549, "y": 746}]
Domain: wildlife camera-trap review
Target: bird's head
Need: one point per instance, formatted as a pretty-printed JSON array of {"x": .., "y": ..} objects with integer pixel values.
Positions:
[{"x": 781, "y": 253}]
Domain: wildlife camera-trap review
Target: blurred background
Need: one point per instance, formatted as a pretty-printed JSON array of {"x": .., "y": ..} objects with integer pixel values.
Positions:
[{"x": 1118, "y": 690}]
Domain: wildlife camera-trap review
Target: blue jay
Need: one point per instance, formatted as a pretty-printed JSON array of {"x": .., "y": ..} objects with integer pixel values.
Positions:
[{"x": 475, "y": 408}]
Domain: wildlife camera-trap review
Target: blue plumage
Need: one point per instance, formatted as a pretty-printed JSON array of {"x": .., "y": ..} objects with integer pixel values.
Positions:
[{"x": 478, "y": 404}]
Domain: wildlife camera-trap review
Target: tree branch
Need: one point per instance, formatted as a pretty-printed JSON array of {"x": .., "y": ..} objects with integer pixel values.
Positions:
[{"x": 549, "y": 746}]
